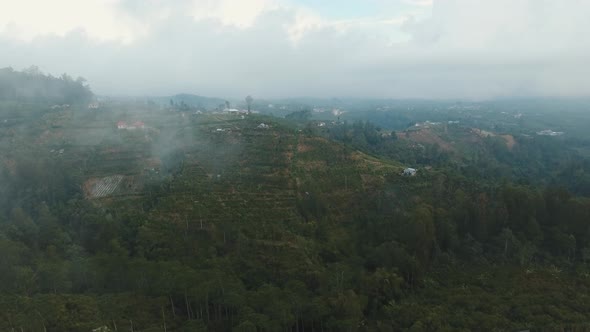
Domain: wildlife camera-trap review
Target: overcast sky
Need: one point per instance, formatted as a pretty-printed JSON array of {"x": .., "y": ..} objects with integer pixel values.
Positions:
[{"x": 473, "y": 49}]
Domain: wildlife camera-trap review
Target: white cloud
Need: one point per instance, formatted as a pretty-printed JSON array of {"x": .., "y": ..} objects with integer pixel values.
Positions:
[
  {"x": 27, "y": 19},
  {"x": 239, "y": 13},
  {"x": 467, "y": 48},
  {"x": 419, "y": 2}
]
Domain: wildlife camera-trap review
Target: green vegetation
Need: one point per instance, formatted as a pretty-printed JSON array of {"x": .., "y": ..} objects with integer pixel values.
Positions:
[
  {"x": 32, "y": 85},
  {"x": 211, "y": 222},
  {"x": 299, "y": 116}
]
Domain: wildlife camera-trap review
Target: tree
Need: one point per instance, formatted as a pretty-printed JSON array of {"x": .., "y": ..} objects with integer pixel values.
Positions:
[
  {"x": 249, "y": 101},
  {"x": 300, "y": 116},
  {"x": 509, "y": 241},
  {"x": 32, "y": 85},
  {"x": 33, "y": 71},
  {"x": 382, "y": 286},
  {"x": 422, "y": 232}
]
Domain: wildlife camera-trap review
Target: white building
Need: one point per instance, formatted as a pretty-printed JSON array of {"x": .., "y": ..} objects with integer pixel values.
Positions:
[
  {"x": 410, "y": 172},
  {"x": 549, "y": 132}
]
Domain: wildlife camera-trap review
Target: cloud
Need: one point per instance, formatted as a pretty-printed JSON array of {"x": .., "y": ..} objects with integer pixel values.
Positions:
[
  {"x": 274, "y": 48},
  {"x": 239, "y": 13},
  {"x": 419, "y": 2},
  {"x": 27, "y": 19},
  {"x": 522, "y": 26}
]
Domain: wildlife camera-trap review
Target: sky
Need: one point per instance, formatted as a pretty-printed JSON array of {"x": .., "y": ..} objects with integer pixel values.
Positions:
[{"x": 467, "y": 49}]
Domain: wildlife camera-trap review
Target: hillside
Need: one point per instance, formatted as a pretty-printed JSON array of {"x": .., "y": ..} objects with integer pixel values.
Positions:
[
  {"x": 31, "y": 85},
  {"x": 184, "y": 187},
  {"x": 136, "y": 216},
  {"x": 453, "y": 138},
  {"x": 191, "y": 100}
]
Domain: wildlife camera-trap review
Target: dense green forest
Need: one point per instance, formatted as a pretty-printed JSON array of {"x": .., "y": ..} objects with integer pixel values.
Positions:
[
  {"x": 31, "y": 85},
  {"x": 196, "y": 222}
]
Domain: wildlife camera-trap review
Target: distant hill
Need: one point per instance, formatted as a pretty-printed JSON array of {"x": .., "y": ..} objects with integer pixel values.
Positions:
[
  {"x": 191, "y": 101},
  {"x": 31, "y": 85}
]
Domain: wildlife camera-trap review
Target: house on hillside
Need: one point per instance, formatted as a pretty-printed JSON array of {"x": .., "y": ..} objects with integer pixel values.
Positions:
[
  {"x": 549, "y": 132},
  {"x": 93, "y": 106},
  {"x": 337, "y": 112},
  {"x": 426, "y": 124},
  {"x": 134, "y": 125},
  {"x": 409, "y": 172},
  {"x": 64, "y": 106},
  {"x": 263, "y": 126}
]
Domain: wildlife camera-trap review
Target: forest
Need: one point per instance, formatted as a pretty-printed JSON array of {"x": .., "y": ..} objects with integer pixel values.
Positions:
[
  {"x": 218, "y": 224},
  {"x": 32, "y": 85}
]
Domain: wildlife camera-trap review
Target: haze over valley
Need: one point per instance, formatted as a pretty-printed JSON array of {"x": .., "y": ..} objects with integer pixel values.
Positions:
[{"x": 294, "y": 165}]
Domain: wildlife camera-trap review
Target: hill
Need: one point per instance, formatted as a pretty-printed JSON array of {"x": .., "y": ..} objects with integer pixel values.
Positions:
[
  {"x": 452, "y": 138},
  {"x": 201, "y": 189},
  {"x": 137, "y": 217},
  {"x": 191, "y": 100},
  {"x": 32, "y": 85}
]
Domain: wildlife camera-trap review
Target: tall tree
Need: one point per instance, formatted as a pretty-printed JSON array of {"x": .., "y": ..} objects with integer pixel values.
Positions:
[{"x": 249, "y": 101}]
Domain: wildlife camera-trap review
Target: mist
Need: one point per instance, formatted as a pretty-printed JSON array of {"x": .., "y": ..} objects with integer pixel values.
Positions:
[{"x": 406, "y": 49}]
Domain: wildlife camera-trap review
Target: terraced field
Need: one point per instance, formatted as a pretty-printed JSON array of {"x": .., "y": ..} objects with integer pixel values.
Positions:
[
  {"x": 105, "y": 186},
  {"x": 231, "y": 176},
  {"x": 203, "y": 172}
]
